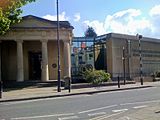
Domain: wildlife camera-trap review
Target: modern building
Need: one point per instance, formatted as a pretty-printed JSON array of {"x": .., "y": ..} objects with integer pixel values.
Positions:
[
  {"x": 123, "y": 51},
  {"x": 28, "y": 51}
]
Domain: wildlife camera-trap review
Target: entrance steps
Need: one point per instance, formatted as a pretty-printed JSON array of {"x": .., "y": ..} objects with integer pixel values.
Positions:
[{"x": 31, "y": 84}]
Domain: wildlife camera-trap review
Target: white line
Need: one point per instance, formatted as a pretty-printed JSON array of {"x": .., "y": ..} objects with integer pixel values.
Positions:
[
  {"x": 91, "y": 110},
  {"x": 94, "y": 114},
  {"x": 137, "y": 107},
  {"x": 153, "y": 101},
  {"x": 68, "y": 118},
  {"x": 104, "y": 116},
  {"x": 124, "y": 118},
  {"x": 120, "y": 110},
  {"x": 44, "y": 116}
]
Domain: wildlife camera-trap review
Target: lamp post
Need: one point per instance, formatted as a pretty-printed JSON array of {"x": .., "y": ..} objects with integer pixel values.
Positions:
[
  {"x": 129, "y": 57},
  {"x": 140, "y": 58},
  {"x": 58, "y": 47}
]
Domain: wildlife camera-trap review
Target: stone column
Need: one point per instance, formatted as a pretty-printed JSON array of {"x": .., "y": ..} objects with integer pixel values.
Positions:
[
  {"x": 45, "y": 73},
  {"x": 20, "y": 70},
  {"x": 67, "y": 62}
]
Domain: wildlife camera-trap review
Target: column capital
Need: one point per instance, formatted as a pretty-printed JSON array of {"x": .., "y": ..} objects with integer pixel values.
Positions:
[
  {"x": 44, "y": 40},
  {"x": 19, "y": 41},
  {"x": 67, "y": 41}
]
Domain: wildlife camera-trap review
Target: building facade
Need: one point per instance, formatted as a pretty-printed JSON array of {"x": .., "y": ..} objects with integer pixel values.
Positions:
[
  {"x": 123, "y": 51},
  {"x": 28, "y": 51}
]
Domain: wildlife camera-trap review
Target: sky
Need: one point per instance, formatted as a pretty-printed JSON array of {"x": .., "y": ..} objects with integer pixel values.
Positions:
[{"x": 105, "y": 16}]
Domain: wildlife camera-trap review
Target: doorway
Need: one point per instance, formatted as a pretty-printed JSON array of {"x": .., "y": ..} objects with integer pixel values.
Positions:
[{"x": 35, "y": 59}]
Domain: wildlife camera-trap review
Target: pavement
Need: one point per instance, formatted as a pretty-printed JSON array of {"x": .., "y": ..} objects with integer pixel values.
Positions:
[{"x": 30, "y": 93}]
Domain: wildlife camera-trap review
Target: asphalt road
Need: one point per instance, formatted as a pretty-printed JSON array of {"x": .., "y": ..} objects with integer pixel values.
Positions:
[{"x": 81, "y": 107}]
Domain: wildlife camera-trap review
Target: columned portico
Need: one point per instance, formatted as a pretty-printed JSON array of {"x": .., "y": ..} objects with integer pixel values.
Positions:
[
  {"x": 29, "y": 50},
  {"x": 45, "y": 73},
  {"x": 20, "y": 69}
]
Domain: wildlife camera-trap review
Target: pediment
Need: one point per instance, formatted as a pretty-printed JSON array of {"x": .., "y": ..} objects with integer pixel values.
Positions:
[{"x": 34, "y": 22}]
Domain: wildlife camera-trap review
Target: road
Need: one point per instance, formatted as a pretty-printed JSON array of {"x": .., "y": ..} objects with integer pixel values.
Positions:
[{"x": 81, "y": 107}]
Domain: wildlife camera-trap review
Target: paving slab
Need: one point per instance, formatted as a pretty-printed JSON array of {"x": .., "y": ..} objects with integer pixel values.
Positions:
[{"x": 48, "y": 92}]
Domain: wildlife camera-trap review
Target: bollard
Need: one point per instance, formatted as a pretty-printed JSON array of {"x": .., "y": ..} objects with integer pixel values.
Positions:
[
  {"x": 118, "y": 82},
  {"x": 1, "y": 89},
  {"x": 68, "y": 83},
  {"x": 69, "y": 88}
]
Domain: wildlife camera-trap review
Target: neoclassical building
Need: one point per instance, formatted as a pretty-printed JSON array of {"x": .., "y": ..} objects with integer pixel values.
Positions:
[{"x": 28, "y": 50}]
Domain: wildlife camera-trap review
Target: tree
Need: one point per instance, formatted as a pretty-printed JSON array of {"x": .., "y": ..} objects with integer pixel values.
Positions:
[
  {"x": 10, "y": 11},
  {"x": 90, "y": 32}
]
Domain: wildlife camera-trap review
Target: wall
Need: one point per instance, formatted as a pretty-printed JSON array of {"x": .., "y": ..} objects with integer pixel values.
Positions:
[
  {"x": 53, "y": 59},
  {"x": 150, "y": 57}
]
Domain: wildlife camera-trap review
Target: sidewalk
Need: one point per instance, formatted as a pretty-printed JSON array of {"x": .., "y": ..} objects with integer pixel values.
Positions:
[{"x": 49, "y": 92}]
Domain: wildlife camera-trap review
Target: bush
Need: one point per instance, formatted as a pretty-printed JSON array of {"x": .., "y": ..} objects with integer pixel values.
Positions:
[
  {"x": 156, "y": 74},
  {"x": 96, "y": 77}
]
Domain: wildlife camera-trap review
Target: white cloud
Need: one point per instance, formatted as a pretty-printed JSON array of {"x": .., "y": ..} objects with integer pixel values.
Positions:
[
  {"x": 97, "y": 26},
  {"x": 126, "y": 22},
  {"x": 77, "y": 17},
  {"x": 155, "y": 17},
  {"x": 127, "y": 13},
  {"x": 155, "y": 10},
  {"x": 62, "y": 17}
]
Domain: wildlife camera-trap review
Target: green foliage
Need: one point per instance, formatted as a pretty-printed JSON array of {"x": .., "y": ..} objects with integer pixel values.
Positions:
[
  {"x": 96, "y": 77},
  {"x": 10, "y": 14},
  {"x": 90, "y": 32},
  {"x": 156, "y": 74}
]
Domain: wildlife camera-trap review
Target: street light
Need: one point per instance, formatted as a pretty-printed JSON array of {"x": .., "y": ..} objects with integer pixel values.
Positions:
[
  {"x": 58, "y": 47},
  {"x": 140, "y": 57}
]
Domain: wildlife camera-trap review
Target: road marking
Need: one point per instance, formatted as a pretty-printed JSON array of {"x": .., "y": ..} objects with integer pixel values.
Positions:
[
  {"x": 95, "y": 114},
  {"x": 106, "y": 116},
  {"x": 120, "y": 110},
  {"x": 124, "y": 118},
  {"x": 152, "y": 101},
  {"x": 137, "y": 107},
  {"x": 44, "y": 116},
  {"x": 68, "y": 118},
  {"x": 91, "y": 110}
]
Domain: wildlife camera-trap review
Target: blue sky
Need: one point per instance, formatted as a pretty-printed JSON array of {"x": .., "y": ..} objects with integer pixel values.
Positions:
[{"x": 119, "y": 16}]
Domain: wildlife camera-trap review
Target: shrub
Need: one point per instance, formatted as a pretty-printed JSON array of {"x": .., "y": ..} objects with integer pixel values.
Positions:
[
  {"x": 156, "y": 74},
  {"x": 96, "y": 77}
]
